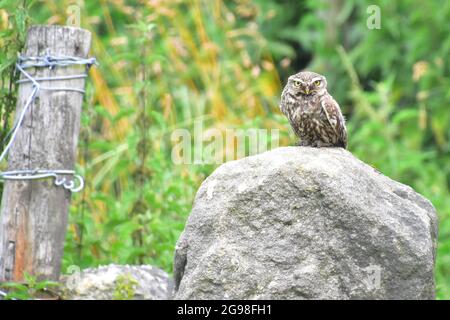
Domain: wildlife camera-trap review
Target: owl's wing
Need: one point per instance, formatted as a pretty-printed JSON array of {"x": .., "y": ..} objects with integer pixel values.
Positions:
[{"x": 335, "y": 119}]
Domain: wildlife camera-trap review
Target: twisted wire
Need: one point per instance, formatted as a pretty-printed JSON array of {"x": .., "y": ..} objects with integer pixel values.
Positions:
[{"x": 47, "y": 61}]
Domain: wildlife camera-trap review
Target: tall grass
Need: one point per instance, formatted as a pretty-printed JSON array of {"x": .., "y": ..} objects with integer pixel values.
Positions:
[
  {"x": 166, "y": 64},
  {"x": 163, "y": 66}
]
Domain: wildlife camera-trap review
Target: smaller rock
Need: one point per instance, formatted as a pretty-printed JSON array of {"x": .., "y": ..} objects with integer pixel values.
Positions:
[{"x": 118, "y": 282}]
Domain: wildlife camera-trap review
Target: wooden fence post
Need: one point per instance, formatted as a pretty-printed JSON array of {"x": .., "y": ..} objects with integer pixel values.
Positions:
[{"x": 33, "y": 218}]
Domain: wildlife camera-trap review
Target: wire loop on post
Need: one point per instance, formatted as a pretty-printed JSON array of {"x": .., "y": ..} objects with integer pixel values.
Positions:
[
  {"x": 47, "y": 61},
  {"x": 58, "y": 175}
]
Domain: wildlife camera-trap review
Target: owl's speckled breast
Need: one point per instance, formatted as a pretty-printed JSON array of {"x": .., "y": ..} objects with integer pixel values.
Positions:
[{"x": 309, "y": 114}]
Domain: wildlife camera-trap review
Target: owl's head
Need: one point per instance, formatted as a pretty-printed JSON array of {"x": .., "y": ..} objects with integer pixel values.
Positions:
[{"x": 307, "y": 83}]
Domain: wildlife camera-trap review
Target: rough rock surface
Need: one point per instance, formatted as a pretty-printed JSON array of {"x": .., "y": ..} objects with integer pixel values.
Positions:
[
  {"x": 117, "y": 282},
  {"x": 306, "y": 223}
]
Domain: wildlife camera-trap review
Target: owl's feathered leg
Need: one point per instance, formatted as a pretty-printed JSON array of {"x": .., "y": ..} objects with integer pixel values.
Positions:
[
  {"x": 303, "y": 143},
  {"x": 321, "y": 144}
]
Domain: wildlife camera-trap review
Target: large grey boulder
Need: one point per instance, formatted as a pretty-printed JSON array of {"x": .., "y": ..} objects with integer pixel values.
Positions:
[
  {"x": 306, "y": 223},
  {"x": 118, "y": 282}
]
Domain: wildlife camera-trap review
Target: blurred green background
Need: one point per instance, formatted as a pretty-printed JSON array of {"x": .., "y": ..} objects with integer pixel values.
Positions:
[{"x": 165, "y": 64}]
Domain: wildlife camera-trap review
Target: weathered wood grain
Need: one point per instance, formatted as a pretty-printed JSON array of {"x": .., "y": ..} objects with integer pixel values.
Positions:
[{"x": 33, "y": 218}]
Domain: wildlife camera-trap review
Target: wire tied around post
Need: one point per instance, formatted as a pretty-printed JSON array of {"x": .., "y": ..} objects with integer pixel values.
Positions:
[{"x": 65, "y": 178}]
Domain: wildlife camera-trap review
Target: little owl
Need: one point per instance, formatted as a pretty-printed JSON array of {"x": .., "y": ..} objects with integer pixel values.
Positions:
[{"x": 312, "y": 112}]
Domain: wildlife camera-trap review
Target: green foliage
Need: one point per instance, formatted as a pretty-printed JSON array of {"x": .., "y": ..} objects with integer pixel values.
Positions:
[
  {"x": 136, "y": 198},
  {"x": 166, "y": 64},
  {"x": 13, "y": 25},
  {"x": 30, "y": 289},
  {"x": 125, "y": 287}
]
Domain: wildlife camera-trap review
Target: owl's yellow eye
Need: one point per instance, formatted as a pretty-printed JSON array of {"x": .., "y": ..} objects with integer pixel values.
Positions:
[
  {"x": 297, "y": 83},
  {"x": 317, "y": 83}
]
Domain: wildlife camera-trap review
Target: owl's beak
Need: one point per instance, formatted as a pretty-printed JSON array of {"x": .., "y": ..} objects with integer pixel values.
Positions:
[{"x": 305, "y": 90}]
